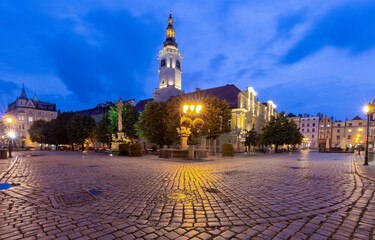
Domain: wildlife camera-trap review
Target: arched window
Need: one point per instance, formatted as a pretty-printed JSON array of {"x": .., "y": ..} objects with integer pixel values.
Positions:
[
  {"x": 178, "y": 64},
  {"x": 170, "y": 62},
  {"x": 162, "y": 63}
]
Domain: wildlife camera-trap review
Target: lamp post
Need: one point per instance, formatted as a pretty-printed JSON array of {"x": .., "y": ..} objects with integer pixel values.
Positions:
[
  {"x": 11, "y": 134},
  {"x": 368, "y": 109},
  {"x": 190, "y": 111}
]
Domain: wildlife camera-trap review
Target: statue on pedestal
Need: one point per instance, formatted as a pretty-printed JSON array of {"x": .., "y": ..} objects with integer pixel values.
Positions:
[{"x": 120, "y": 105}]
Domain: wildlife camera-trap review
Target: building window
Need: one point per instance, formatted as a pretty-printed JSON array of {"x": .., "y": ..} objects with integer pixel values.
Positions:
[
  {"x": 328, "y": 125},
  {"x": 178, "y": 64},
  {"x": 207, "y": 142},
  {"x": 23, "y": 126},
  {"x": 312, "y": 136},
  {"x": 308, "y": 130},
  {"x": 229, "y": 141},
  {"x": 39, "y": 113},
  {"x": 349, "y": 136},
  {"x": 303, "y": 130},
  {"x": 338, "y": 130},
  {"x": 30, "y": 112},
  {"x": 45, "y": 114},
  {"x": 230, "y": 123},
  {"x": 51, "y": 114},
  {"x": 349, "y": 130},
  {"x": 170, "y": 62},
  {"x": 162, "y": 63},
  {"x": 308, "y": 124},
  {"x": 303, "y": 125},
  {"x": 313, "y": 129},
  {"x": 217, "y": 143},
  {"x": 359, "y": 124},
  {"x": 350, "y": 124},
  {"x": 338, "y": 137},
  {"x": 339, "y": 125},
  {"x": 30, "y": 119},
  {"x": 313, "y": 124}
]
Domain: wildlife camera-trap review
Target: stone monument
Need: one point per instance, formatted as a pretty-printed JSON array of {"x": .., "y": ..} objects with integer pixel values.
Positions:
[{"x": 120, "y": 133}]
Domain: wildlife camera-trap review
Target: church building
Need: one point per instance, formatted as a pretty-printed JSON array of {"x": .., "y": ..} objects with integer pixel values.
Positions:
[{"x": 246, "y": 109}]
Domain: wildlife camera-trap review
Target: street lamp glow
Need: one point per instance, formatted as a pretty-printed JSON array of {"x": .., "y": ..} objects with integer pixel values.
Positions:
[
  {"x": 361, "y": 130},
  {"x": 366, "y": 108},
  {"x": 192, "y": 108},
  {"x": 199, "y": 108},
  {"x": 9, "y": 120},
  {"x": 11, "y": 134}
]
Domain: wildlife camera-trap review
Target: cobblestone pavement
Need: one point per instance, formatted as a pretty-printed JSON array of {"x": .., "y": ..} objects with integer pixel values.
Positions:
[{"x": 304, "y": 195}]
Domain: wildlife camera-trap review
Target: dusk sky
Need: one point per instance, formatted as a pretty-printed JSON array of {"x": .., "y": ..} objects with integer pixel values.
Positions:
[{"x": 307, "y": 56}]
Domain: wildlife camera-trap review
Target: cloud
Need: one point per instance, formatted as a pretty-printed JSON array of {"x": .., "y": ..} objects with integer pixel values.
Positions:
[
  {"x": 109, "y": 59},
  {"x": 217, "y": 62},
  {"x": 350, "y": 27}
]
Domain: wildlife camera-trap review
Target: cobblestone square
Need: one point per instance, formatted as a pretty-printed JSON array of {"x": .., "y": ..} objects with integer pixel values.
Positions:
[{"x": 67, "y": 195}]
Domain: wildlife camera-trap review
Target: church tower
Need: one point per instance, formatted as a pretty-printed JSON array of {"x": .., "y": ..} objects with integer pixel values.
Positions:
[{"x": 170, "y": 70}]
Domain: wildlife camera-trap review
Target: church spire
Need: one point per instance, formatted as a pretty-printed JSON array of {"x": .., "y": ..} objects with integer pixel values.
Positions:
[
  {"x": 170, "y": 32},
  {"x": 23, "y": 93}
]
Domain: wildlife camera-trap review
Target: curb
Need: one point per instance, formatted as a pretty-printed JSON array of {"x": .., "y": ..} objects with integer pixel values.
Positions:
[
  {"x": 358, "y": 170},
  {"x": 2, "y": 175}
]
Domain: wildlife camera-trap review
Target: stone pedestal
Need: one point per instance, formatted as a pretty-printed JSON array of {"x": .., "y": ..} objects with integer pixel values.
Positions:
[
  {"x": 115, "y": 145},
  {"x": 184, "y": 142},
  {"x": 120, "y": 136},
  {"x": 191, "y": 152}
]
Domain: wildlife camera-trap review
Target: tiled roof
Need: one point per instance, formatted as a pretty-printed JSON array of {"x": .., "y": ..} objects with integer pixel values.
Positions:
[
  {"x": 357, "y": 118},
  {"x": 228, "y": 92},
  {"x": 291, "y": 115},
  {"x": 141, "y": 104}
]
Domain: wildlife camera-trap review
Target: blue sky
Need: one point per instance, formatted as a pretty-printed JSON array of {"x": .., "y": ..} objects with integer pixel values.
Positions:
[{"x": 306, "y": 56}]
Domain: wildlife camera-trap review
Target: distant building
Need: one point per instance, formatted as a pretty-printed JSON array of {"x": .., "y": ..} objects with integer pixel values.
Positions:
[
  {"x": 325, "y": 131},
  {"x": 294, "y": 118},
  {"x": 309, "y": 127},
  {"x": 25, "y": 111},
  {"x": 349, "y": 133},
  {"x": 102, "y": 109}
]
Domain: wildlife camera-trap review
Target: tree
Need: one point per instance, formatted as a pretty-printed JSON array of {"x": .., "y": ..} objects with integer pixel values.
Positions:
[
  {"x": 80, "y": 128},
  {"x": 58, "y": 129},
  {"x": 129, "y": 119},
  {"x": 281, "y": 131},
  {"x": 216, "y": 115},
  {"x": 252, "y": 138},
  {"x": 295, "y": 136},
  {"x": 37, "y": 133},
  {"x": 151, "y": 124},
  {"x": 102, "y": 131}
]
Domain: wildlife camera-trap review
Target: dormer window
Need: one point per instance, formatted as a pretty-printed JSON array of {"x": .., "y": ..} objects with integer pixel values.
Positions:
[{"x": 162, "y": 63}]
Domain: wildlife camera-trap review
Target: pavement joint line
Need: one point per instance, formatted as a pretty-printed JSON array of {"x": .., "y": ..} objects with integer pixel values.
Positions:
[
  {"x": 9, "y": 168},
  {"x": 359, "y": 171}
]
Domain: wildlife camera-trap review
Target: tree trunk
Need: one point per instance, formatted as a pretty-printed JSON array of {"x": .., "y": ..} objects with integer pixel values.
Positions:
[
  {"x": 72, "y": 147},
  {"x": 212, "y": 147},
  {"x": 276, "y": 146},
  {"x": 41, "y": 146},
  {"x": 83, "y": 147}
]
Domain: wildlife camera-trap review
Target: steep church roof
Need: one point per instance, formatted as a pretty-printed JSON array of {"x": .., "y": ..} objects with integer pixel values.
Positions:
[{"x": 23, "y": 93}]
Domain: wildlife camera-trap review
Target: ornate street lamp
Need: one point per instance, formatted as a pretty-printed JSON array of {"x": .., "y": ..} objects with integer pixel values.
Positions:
[
  {"x": 368, "y": 109},
  {"x": 190, "y": 113},
  {"x": 11, "y": 134}
]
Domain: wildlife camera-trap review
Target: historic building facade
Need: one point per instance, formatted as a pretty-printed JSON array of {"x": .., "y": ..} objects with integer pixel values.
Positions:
[
  {"x": 325, "y": 131},
  {"x": 349, "y": 133},
  {"x": 25, "y": 111},
  {"x": 309, "y": 128}
]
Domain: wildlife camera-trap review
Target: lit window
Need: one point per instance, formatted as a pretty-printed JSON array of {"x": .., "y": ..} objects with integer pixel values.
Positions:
[
  {"x": 328, "y": 125},
  {"x": 349, "y": 130},
  {"x": 30, "y": 119}
]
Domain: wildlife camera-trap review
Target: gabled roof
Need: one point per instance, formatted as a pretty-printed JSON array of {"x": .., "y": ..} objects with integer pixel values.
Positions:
[
  {"x": 357, "y": 118},
  {"x": 140, "y": 106},
  {"x": 291, "y": 115},
  {"x": 228, "y": 92}
]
